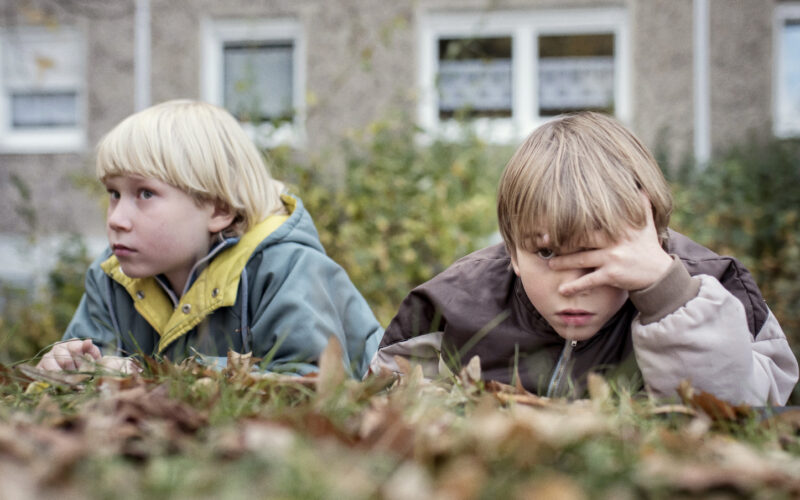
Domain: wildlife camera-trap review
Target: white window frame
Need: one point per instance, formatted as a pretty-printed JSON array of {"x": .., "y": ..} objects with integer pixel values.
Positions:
[
  {"x": 44, "y": 140},
  {"x": 524, "y": 28},
  {"x": 216, "y": 32},
  {"x": 781, "y": 127}
]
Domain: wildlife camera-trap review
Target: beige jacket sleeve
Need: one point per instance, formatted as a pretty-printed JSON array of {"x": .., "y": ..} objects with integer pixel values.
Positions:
[{"x": 693, "y": 328}]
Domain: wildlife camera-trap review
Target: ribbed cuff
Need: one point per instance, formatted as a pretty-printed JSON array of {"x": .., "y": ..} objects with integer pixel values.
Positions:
[{"x": 666, "y": 295}]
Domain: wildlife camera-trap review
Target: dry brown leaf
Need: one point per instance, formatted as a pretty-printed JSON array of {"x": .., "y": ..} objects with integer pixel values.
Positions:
[
  {"x": 715, "y": 408},
  {"x": 383, "y": 428},
  {"x": 471, "y": 374},
  {"x": 599, "y": 390},
  {"x": 331, "y": 370},
  {"x": 63, "y": 379},
  {"x": 240, "y": 366},
  {"x": 461, "y": 479},
  {"x": 722, "y": 465},
  {"x": 266, "y": 438},
  {"x": 495, "y": 387},
  {"x": 788, "y": 418},
  {"x": 525, "y": 399},
  {"x": 403, "y": 365},
  {"x": 409, "y": 482},
  {"x": 670, "y": 409},
  {"x": 551, "y": 487},
  {"x": 518, "y": 381}
]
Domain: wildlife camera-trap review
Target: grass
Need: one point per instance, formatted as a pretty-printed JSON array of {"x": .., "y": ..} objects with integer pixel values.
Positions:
[{"x": 187, "y": 431}]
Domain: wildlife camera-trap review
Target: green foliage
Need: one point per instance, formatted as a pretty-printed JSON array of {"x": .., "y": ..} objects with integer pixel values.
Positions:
[
  {"x": 32, "y": 320},
  {"x": 747, "y": 204},
  {"x": 405, "y": 210}
]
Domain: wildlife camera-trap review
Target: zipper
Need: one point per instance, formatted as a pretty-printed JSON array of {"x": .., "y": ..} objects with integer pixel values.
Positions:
[{"x": 557, "y": 381}]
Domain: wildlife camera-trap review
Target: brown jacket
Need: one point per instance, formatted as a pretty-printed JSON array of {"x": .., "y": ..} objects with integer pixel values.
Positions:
[{"x": 679, "y": 328}]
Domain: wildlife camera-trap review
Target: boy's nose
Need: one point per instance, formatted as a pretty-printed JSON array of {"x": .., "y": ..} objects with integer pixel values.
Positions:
[{"x": 117, "y": 218}]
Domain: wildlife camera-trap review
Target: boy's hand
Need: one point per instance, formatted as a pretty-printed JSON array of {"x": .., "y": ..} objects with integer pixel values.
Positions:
[
  {"x": 633, "y": 263},
  {"x": 71, "y": 355},
  {"x": 118, "y": 365}
]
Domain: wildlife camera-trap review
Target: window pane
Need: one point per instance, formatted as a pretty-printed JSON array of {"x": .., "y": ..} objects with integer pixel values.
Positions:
[
  {"x": 475, "y": 77},
  {"x": 576, "y": 72},
  {"x": 258, "y": 81},
  {"x": 789, "y": 83},
  {"x": 44, "y": 109}
]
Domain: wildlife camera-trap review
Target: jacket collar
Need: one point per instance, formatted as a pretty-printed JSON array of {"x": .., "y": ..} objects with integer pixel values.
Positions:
[{"x": 216, "y": 284}]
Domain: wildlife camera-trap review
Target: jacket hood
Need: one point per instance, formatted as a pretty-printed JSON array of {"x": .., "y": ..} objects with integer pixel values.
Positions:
[{"x": 298, "y": 228}]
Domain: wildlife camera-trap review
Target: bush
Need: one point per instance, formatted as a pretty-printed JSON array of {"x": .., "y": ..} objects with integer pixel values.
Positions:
[
  {"x": 404, "y": 212},
  {"x": 34, "y": 319},
  {"x": 747, "y": 204}
]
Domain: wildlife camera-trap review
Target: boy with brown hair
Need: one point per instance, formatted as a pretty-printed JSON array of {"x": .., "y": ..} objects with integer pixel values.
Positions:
[{"x": 588, "y": 277}]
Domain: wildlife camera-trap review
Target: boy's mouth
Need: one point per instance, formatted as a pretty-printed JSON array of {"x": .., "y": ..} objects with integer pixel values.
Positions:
[
  {"x": 575, "y": 317},
  {"x": 121, "y": 250}
]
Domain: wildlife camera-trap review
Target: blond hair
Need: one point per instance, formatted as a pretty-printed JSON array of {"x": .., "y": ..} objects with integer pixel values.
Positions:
[
  {"x": 577, "y": 174},
  {"x": 199, "y": 148}
]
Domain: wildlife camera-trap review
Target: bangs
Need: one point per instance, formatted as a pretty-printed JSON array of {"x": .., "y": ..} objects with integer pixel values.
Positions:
[
  {"x": 134, "y": 150},
  {"x": 572, "y": 213},
  {"x": 198, "y": 148},
  {"x": 158, "y": 146}
]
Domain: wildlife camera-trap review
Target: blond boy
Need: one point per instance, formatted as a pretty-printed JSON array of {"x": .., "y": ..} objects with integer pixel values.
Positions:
[
  {"x": 589, "y": 278},
  {"x": 206, "y": 254}
]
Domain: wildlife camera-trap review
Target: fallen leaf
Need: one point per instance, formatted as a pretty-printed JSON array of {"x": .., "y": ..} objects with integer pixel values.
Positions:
[
  {"x": 715, "y": 408},
  {"x": 470, "y": 375},
  {"x": 553, "y": 486},
  {"x": 403, "y": 365}
]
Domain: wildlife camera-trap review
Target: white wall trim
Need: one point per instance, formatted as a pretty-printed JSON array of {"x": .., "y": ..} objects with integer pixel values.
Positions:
[
  {"x": 142, "y": 55},
  {"x": 702, "y": 89},
  {"x": 781, "y": 126}
]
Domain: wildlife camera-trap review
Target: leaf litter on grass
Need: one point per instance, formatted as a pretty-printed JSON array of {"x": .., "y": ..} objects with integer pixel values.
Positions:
[{"x": 191, "y": 431}]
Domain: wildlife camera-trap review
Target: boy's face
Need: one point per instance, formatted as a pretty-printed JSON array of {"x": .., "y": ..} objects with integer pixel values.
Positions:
[
  {"x": 577, "y": 317},
  {"x": 155, "y": 228}
]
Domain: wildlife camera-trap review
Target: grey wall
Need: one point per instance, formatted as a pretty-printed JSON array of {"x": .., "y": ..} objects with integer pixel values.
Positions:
[{"x": 362, "y": 65}]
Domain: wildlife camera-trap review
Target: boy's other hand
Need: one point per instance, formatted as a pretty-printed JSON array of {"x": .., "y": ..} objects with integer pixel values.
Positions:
[
  {"x": 633, "y": 263},
  {"x": 118, "y": 365},
  {"x": 71, "y": 355}
]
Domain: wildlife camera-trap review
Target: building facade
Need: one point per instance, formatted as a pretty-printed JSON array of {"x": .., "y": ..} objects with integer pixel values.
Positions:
[{"x": 691, "y": 77}]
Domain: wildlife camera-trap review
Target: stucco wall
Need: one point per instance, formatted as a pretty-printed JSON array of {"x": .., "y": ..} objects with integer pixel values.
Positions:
[
  {"x": 357, "y": 56},
  {"x": 662, "y": 76},
  {"x": 361, "y": 64},
  {"x": 741, "y": 71}
]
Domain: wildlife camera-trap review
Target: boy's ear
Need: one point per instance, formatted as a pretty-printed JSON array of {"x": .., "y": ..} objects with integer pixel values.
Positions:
[
  {"x": 514, "y": 264},
  {"x": 221, "y": 217}
]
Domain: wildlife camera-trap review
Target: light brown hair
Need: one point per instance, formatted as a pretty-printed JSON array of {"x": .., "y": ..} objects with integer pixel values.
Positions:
[{"x": 576, "y": 174}]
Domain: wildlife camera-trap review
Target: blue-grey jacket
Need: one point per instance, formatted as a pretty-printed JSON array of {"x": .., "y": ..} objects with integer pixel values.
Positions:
[{"x": 273, "y": 291}]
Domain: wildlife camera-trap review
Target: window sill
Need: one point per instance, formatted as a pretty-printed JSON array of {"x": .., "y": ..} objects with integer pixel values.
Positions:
[{"x": 43, "y": 142}]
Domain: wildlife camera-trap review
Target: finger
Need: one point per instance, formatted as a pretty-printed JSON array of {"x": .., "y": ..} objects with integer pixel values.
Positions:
[
  {"x": 74, "y": 346},
  {"x": 582, "y": 284},
  {"x": 65, "y": 360},
  {"x": 49, "y": 364},
  {"x": 588, "y": 259},
  {"x": 92, "y": 350}
]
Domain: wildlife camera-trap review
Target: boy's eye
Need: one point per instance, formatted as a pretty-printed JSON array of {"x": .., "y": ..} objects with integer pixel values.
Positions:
[
  {"x": 146, "y": 194},
  {"x": 113, "y": 194},
  {"x": 545, "y": 253}
]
